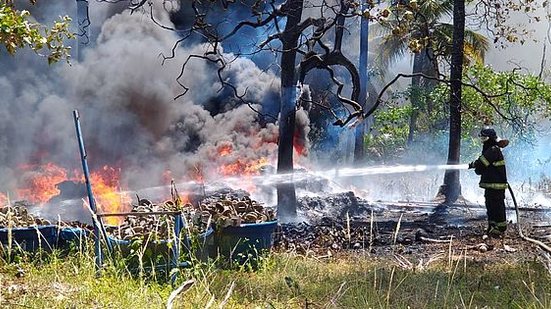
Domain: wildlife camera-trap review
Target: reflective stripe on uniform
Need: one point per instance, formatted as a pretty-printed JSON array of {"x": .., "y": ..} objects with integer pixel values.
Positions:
[
  {"x": 484, "y": 160},
  {"x": 499, "y": 163},
  {"x": 495, "y": 186}
]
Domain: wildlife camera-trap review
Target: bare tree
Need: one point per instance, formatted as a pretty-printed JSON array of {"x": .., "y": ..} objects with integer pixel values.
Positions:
[{"x": 301, "y": 44}]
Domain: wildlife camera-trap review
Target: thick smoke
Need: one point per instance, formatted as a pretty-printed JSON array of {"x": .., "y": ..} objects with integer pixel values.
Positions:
[{"x": 129, "y": 116}]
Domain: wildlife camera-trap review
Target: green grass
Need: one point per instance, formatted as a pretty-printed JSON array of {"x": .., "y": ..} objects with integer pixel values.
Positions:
[{"x": 282, "y": 281}]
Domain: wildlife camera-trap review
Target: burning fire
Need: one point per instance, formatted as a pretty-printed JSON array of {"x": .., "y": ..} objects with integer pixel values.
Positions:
[
  {"x": 298, "y": 144},
  {"x": 243, "y": 168},
  {"x": 39, "y": 182},
  {"x": 40, "y": 186},
  {"x": 239, "y": 166},
  {"x": 3, "y": 200},
  {"x": 225, "y": 150},
  {"x": 106, "y": 188}
]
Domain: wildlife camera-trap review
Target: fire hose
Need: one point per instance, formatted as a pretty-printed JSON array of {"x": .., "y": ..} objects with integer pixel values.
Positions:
[{"x": 519, "y": 228}]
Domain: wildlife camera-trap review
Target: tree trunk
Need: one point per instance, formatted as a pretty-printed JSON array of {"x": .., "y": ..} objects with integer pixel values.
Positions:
[
  {"x": 451, "y": 189},
  {"x": 286, "y": 196},
  {"x": 415, "y": 95},
  {"x": 423, "y": 62},
  {"x": 359, "y": 150}
]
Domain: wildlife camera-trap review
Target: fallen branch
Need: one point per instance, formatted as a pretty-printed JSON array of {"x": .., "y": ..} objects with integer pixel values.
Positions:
[
  {"x": 227, "y": 297},
  {"x": 184, "y": 287},
  {"x": 519, "y": 229},
  {"x": 445, "y": 241}
]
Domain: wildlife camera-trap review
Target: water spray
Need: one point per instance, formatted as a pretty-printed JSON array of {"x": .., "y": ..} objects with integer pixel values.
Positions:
[
  {"x": 299, "y": 176},
  {"x": 348, "y": 172},
  {"x": 378, "y": 170}
]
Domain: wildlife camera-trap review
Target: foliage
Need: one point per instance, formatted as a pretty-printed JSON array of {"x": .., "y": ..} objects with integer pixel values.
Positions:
[
  {"x": 18, "y": 31},
  {"x": 508, "y": 99},
  {"x": 391, "y": 132},
  {"x": 419, "y": 23},
  {"x": 511, "y": 101},
  {"x": 417, "y": 26}
]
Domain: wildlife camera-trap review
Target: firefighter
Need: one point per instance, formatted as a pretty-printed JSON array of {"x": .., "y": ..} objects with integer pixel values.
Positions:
[{"x": 493, "y": 179}]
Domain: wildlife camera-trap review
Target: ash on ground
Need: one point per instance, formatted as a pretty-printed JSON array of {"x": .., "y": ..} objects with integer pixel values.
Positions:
[{"x": 342, "y": 222}]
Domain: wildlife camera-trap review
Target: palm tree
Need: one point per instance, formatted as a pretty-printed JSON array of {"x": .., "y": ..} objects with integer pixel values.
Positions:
[{"x": 421, "y": 31}]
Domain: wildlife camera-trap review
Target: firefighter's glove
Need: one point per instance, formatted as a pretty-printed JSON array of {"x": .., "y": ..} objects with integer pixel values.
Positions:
[{"x": 471, "y": 165}]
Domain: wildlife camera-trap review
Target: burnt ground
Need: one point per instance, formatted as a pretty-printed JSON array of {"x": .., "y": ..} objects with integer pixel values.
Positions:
[{"x": 409, "y": 231}]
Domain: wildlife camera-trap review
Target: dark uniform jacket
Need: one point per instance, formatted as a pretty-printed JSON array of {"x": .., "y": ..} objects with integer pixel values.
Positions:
[{"x": 491, "y": 167}]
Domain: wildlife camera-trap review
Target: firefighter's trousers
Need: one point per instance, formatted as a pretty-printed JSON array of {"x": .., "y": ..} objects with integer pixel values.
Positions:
[{"x": 495, "y": 208}]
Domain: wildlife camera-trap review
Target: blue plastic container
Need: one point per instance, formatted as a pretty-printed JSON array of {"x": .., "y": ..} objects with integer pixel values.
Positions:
[
  {"x": 203, "y": 240},
  {"x": 72, "y": 234},
  {"x": 240, "y": 242},
  {"x": 31, "y": 238},
  {"x": 200, "y": 245}
]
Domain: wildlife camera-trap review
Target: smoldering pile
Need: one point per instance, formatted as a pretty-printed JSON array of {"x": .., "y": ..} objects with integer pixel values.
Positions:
[
  {"x": 230, "y": 210},
  {"x": 331, "y": 234},
  {"x": 316, "y": 208},
  {"x": 341, "y": 221},
  {"x": 18, "y": 216},
  {"x": 150, "y": 227},
  {"x": 217, "y": 210},
  {"x": 331, "y": 222}
]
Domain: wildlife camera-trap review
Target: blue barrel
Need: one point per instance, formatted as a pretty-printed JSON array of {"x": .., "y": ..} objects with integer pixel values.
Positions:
[
  {"x": 70, "y": 235},
  {"x": 31, "y": 238},
  {"x": 199, "y": 245},
  {"x": 195, "y": 246},
  {"x": 238, "y": 243}
]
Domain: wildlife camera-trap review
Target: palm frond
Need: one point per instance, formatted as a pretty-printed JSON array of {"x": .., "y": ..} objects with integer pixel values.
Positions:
[
  {"x": 476, "y": 44},
  {"x": 433, "y": 10},
  {"x": 391, "y": 49},
  {"x": 378, "y": 29}
]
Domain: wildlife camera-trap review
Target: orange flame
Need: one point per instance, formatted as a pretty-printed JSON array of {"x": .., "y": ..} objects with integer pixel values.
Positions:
[
  {"x": 298, "y": 144},
  {"x": 225, "y": 150},
  {"x": 183, "y": 199},
  {"x": 3, "y": 200},
  {"x": 106, "y": 185},
  {"x": 40, "y": 185},
  {"x": 39, "y": 182},
  {"x": 243, "y": 168}
]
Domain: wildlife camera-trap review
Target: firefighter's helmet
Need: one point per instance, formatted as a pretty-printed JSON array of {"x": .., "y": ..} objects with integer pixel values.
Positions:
[{"x": 488, "y": 132}]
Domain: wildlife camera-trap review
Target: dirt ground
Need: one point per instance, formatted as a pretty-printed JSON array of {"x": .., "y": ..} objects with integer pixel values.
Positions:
[{"x": 410, "y": 233}]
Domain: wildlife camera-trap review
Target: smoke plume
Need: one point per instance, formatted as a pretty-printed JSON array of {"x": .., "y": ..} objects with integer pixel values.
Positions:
[{"x": 125, "y": 96}]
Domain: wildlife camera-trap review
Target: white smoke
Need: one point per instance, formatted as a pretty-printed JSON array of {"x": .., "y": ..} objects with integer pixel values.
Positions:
[{"x": 128, "y": 112}]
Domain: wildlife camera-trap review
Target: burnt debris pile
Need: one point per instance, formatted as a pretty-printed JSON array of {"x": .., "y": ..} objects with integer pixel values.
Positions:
[
  {"x": 18, "y": 216},
  {"x": 345, "y": 221},
  {"x": 232, "y": 210},
  {"x": 330, "y": 221},
  {"x": 146, "y": 226}
]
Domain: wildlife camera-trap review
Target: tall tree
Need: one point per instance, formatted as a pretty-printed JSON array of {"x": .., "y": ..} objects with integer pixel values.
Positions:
[
  {"x": 359, "y": 151},
  {"x": 418, "y": 26},
  {"x": 286, "y": 196},
  {"x": 451, "y": 188}
]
